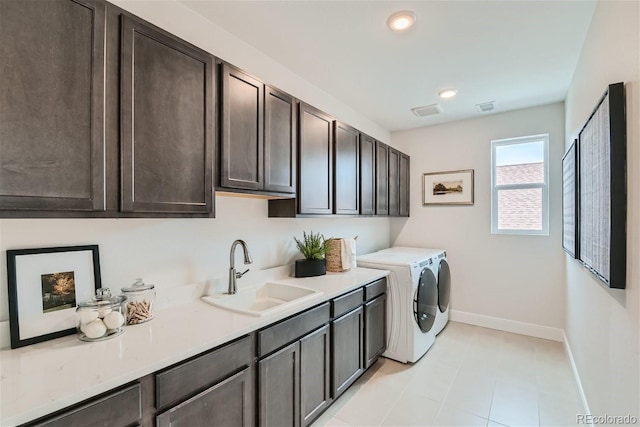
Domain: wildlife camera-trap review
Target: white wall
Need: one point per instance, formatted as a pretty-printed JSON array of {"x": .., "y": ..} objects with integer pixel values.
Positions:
[
  {"x": 517, "y": 278},
  {"x": 177, "y": 252},
  {"x": 603, "y": 325}
]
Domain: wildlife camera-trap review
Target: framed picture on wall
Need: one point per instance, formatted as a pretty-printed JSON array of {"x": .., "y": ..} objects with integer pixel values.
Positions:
[
  {"x": 45, "y": 286},
  {"x": 570, "y": 236},
  {"x": 448, "y": 188}
]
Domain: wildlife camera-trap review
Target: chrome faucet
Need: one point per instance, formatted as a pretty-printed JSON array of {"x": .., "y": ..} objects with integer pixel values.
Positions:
[{"x": 233, "y": 274}]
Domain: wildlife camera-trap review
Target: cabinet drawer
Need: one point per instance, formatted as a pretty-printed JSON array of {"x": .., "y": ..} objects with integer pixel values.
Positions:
[
  {"x": 346, "y": 302},
  {"x": 374, "y": 289},
  {"x": 280, "y": 334},
  {"x": 184, "y": 380},
  {"x": 121, "y": 408}
]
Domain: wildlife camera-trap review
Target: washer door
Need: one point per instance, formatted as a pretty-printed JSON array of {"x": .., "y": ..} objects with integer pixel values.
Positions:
[
  {"x": 444, "y": 285},
  {"x": 426, "y": 300}
]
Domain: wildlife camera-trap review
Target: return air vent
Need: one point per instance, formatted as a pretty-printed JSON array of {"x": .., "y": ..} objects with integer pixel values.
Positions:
[
  {"x": 427, "y": 110},
  {"x": 486, "y": 106}
]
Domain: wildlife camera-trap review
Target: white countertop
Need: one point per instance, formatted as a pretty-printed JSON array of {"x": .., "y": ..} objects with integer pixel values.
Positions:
[{"x": 40, "y": 379}]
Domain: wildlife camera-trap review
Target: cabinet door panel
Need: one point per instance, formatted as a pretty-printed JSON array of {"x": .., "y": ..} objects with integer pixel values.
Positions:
[
  {"x": 52, "y": 105},
  {"x": 279, "y": 142},
  {"x": 242, "y": 126},
  {"x": 375, "y": 320},
  {"x": 404, "y": 184},
  {"x": 166, "y": 107},
  {"x": 315, "y": 162},
  {"x": 315, "y": 391},
  {"x": 347, "y": 169},
  {"x": 367, "y": 175},
  {"x": 228, "y": 403},
  {"x": 394, "y": 182},
  {"x": 280, "y": 388},
  {"x": 348, "y": 362},
  {"x": 382, "y": 179}
]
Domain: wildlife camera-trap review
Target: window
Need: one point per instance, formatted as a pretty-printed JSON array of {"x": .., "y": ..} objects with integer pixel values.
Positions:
[{"x": 520, "y": 185}]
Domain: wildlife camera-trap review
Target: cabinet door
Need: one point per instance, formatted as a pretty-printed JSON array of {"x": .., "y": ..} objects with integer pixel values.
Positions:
[
  {"x": 241, "y": 147},
  {"x": 348, "y": 361},
  {"x": 52, "y": 105},
  {"x": 315, "y": 391},
  {"x": 279, "y": 385},
  {"x": 346, "y": 170},
  {"x": 367, "y": 175},
  {"x": 404, "y": 184},
  {"x": 382, "y": 178},
  {"x": 280, "y": 136},
  {"x": 394, "y": 182},
  {"x": 375, "y": 324},
  {"x": 315, "y": 185},
  {"x": 228, "y": 403},
  {"x": 166, "y": 107}
]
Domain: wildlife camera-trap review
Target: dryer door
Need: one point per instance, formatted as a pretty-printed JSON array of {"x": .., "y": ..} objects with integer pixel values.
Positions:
[
  {"x": 426, "y": 300},
  {"x": 444, "y": 285}
]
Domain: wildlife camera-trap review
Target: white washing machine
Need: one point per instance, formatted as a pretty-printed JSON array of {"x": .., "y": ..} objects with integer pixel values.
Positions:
[
  {"x": 412, "y": 300},
  {"x": 440, "y": 268}
]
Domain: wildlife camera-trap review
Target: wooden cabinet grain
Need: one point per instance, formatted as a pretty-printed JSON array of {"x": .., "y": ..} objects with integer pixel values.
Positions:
[
  {"x": 347, "y": 350},
  {"x": 367, "y": 175},
  {"x": 315, "y": 186},
  {"x": 280, "y": 140},
  {"x": 394, "y": 182},
  {"x": 382, "y": 179},
  {"x": 52, "y": 105},
  {"x": 405, "y": 198},
  {"x": 166, "y": 107},
  {"x": 346, "y": 188},
  {"x": 375, "y": 320},
  {"x": 241, "y": 145},
  {"x": 279, "y": 387},
  {"x": 315, "y": 390}
]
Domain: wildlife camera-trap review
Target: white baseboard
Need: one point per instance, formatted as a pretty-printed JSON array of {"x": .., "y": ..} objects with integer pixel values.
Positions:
[
  {"x": 529, "y": 329},
  {"x": 576, "y": 376}
]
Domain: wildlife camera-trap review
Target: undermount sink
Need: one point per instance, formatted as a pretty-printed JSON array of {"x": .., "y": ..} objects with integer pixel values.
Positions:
[{"x": 264, "y": 299}]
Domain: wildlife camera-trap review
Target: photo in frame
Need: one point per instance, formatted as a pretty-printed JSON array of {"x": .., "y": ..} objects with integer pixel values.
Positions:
[
  {"x": 448, "y": 188},
  {"x": 45, "y": 285},
  {"x": 570, "y": 236}
]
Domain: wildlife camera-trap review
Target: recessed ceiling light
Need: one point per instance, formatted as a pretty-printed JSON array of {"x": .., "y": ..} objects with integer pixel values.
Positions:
[
  {"x": 448, "y": 93},
  {"x": 402, "y": 20}
]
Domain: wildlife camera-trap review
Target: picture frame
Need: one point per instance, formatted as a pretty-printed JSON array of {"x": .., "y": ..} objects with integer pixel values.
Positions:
[
  {"x": 447, "y": 188},
  {"x": 45, "y": 286},
  {"x": 570, "y": 201}
]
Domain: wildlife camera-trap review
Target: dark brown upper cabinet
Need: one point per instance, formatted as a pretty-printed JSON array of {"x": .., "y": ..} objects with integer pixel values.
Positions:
[
  {"x": 405, "y": 198},
  {"x": 167, "y": 126},
  {"x": 394, "y": 182},
  {"x": 241, "y": 145},
  {"x": 382, "y": 178},
  {"x": 280, "y": 138},
  {"x": 346, "y": 188},
  {"x": 367, "y": 175},
  {"x": 52, "y": 141},
  {"x": 315, "y": 159},
  {"x": 258, "y": 138}
]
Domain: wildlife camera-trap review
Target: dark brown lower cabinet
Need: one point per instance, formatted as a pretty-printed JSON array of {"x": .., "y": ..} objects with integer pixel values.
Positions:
[
  {"x": 228, "y": 403},
  {"x": 315, "y": 392},
  {"x": 375, "y": 321},
  {"x": 348, "y": 363},
  {"x": 279, "y": 385}
]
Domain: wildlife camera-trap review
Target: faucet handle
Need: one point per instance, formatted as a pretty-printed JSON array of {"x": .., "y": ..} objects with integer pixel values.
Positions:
[{"x": 239, "y": 275}]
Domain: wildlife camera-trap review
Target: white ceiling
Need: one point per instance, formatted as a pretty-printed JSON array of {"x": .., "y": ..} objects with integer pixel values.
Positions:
[{"x": 518, "y": 53}]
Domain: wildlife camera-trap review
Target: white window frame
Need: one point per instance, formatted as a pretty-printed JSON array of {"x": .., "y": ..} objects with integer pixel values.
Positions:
[{"x": 544, "y": 186}]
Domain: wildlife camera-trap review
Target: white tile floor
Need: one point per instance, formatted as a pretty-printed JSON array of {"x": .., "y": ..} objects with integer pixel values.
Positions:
[{"x": 471, "y": 376}]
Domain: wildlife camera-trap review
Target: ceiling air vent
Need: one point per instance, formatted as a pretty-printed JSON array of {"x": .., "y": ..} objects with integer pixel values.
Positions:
[
  {"x": 427, "y": 110},
  {"x": 486, "y": 106}
]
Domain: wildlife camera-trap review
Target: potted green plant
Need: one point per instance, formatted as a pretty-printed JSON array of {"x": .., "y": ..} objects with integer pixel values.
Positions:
[{"x": 312, "y": 246}]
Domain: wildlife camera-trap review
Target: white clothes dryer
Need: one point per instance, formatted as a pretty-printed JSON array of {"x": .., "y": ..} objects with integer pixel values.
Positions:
[{"x": 412, "y": 298}]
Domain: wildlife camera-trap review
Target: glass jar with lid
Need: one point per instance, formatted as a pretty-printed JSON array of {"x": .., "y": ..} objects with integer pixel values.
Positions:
[
  {"x": 140, "y": 299},
  {"x": 100, "y": 317}
]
